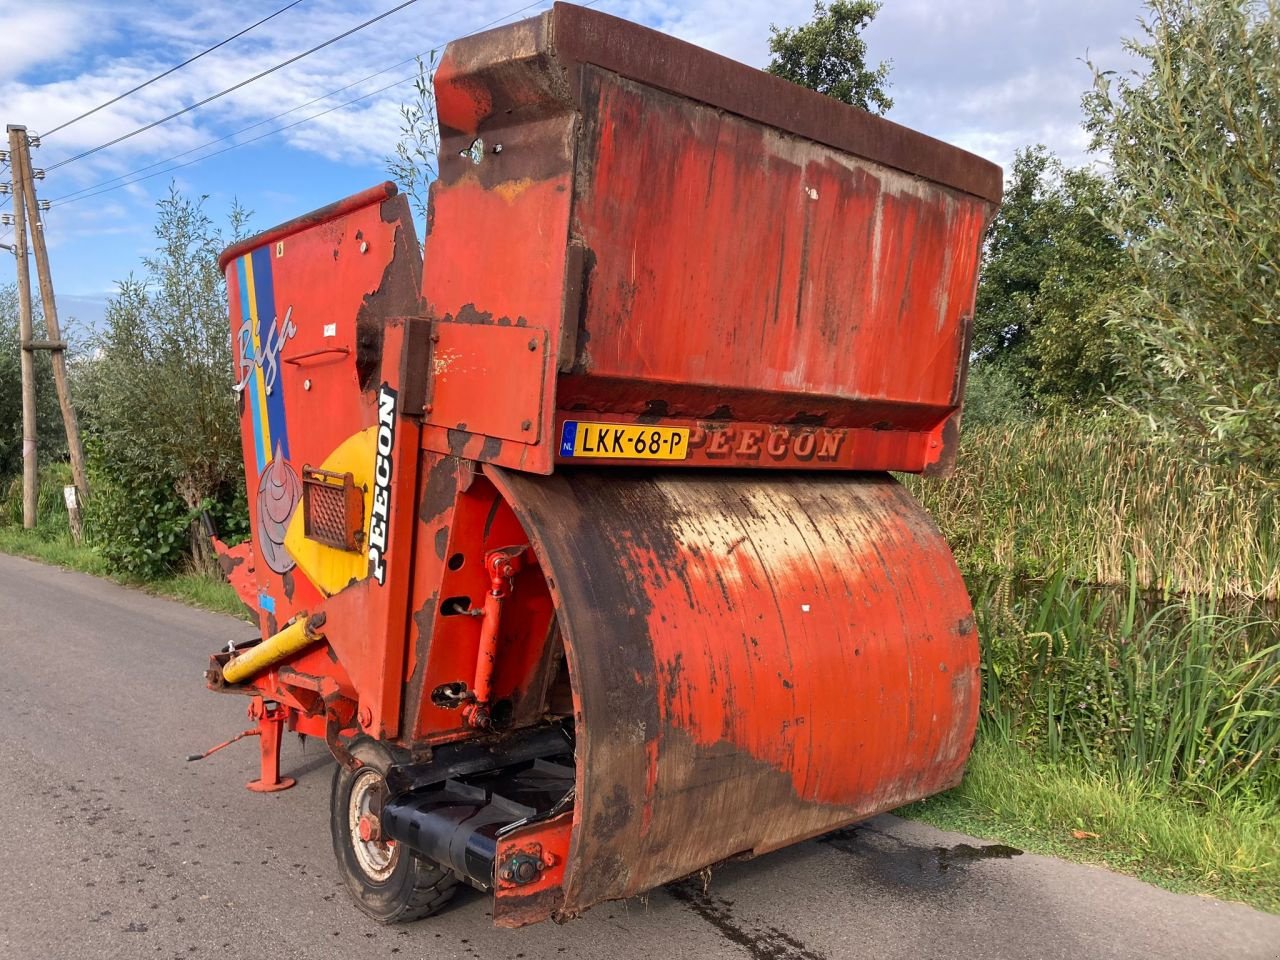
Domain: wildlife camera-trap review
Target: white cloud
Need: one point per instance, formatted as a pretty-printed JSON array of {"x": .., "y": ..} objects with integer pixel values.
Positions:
[
  {"x": 991, "y": 75},
  {"x": 175, "y": 31},
  {"x": 988, "y": 75},
  {"x": 997, "y": 75},
  {"x": 33, "y": 35}
]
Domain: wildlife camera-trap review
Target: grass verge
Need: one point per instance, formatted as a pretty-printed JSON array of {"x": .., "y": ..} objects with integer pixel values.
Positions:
[
  {"x": 1229, "y": 850},
  {"x": 197, "y": 589}
]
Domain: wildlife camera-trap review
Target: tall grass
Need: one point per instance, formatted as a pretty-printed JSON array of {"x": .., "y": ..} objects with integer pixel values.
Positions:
[
  {"x": 1183, "y": 695},
  {"x": 1092, "y": 501},
  {"x": 51, "y": 508},
  {"x": 1127, "y": 604}
]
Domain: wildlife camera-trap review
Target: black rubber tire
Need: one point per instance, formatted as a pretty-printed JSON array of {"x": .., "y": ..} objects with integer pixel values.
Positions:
[{"x": 415, "y": 888}]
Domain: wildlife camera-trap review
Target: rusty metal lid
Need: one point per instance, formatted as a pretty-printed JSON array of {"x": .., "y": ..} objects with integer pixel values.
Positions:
[
  {"x": 581, "y": 36},
  {"x": 332, "y": 211}
]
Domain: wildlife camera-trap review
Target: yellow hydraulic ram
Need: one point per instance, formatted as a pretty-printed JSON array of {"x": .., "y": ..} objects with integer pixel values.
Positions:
[{"x": 297, "y": 636}]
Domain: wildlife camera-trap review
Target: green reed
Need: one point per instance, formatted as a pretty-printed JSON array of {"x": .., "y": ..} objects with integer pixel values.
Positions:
[
  {"x": 1183, "y": 694},
  {"x": 1091, "y": 499}
]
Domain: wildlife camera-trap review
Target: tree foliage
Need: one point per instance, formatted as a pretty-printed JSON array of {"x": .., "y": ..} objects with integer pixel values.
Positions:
[
  {"x": 52, "y": 438},
  {"x": 1194, "y": 140},
  {"x": 993, "y": 397},
  {"x": 1050, "y": 266},
  {"x": 413, "y": 165},
  {"x": 828, "y": 54},
  {"x": 163, "y": 424}
]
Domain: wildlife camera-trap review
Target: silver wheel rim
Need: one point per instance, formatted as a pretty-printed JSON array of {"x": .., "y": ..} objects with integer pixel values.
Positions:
[{"x": 377, "y": 858}]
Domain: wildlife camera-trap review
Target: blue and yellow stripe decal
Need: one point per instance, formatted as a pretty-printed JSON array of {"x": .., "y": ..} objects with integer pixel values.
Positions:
[{"x": 263, "y": 393}]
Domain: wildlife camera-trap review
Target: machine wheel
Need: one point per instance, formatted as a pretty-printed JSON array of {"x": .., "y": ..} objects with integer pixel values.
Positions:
[{"x": 387, "y": 880}]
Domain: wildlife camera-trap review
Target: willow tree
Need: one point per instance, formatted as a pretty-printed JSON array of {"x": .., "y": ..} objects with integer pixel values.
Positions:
[
  {"x": 1193, "y": 136},
  {"x": 163, "y": 426}
]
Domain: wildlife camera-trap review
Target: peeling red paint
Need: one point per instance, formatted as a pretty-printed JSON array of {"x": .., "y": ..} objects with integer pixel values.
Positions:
[
  {"x": 795, "y": 644},
  {"x": 755, "y": 641}
]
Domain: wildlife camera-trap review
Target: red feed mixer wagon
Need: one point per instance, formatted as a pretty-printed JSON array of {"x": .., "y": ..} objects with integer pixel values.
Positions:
[{"x": 577, "y": 543}]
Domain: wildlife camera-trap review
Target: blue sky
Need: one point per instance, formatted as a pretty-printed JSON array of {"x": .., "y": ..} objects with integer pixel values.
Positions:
[{"x": 989, "y": 75}]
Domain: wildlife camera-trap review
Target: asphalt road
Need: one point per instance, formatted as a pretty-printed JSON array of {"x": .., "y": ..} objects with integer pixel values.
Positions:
[{"x": 112, "y": 846}]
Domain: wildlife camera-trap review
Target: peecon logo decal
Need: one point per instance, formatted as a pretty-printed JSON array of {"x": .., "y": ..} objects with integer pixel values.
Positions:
[{"x": 378, "y": 530}]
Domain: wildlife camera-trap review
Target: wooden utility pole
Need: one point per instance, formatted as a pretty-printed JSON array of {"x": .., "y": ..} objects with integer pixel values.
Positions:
[
  {"x": 28, "y": 360},
  {"x": 20, "y": 158}
]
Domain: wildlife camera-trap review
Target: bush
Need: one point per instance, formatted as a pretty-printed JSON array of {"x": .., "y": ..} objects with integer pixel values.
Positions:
[
  {"x": 51, "y": 508},
  {"x": 1049, "y": 266},
  {"x": 163, "y": 431},
  {"x": 53, "y": 439},
  {"x": 138, "y": 524},
  {"x": 993, "y": 397}
]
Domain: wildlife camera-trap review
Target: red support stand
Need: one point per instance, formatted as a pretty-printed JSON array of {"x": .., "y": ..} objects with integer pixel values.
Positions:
[{"x": 271, "y": 724}]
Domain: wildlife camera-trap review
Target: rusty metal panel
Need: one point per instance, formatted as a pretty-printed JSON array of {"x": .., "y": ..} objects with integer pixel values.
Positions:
[
  {"x": 860, "y": 285},
  {"x": 755, "y": 659},
  {"x": 547, "y": 843},
  {"x": 462, "y": 518},
  {"x": 853, "y": 319},
  {"x": 317, "y": 335},
  {"x": 488, "y": 379},
  {"x": 608, "y": 184},
  {"x": 498, "y": 233}
]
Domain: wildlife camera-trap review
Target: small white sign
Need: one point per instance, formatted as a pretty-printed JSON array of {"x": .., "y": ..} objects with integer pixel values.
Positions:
[
  {"x": 330, "y": 329},
  {"x": 69, "y": 495}
]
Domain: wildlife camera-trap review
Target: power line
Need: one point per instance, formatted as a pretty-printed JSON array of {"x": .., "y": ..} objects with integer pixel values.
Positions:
[
  {"x": 235, "y": 133},
  {"x": 232, "y": 89},
  {"x": 161, "y": 76},
  {"x": 92, "y": 191},
  {"x": 245, "y": 143},
  {"x": 85, "y": 194},
  {"x": 285, "y": 113}
]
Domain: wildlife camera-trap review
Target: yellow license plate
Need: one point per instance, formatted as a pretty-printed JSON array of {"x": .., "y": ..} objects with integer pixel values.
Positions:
[{"x": 623, "y": 441}]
